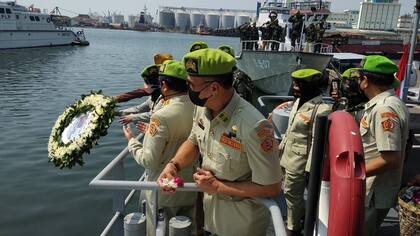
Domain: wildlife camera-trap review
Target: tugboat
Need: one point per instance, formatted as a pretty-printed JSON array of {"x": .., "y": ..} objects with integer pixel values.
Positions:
[
  {"x": 22, "y": 27},
  {"x": 269, "y": 70}
]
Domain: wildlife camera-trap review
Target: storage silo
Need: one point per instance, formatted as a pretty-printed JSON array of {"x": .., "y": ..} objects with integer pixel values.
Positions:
[
  {"x": 228, "y": 21},
  {"x": 242, "y": 19},
  {"x": 213, "y": 20},
  {"x": 182, "y": 21},
  {"x": 167, "y": 19},
  {"x": 197, "y": 19}
]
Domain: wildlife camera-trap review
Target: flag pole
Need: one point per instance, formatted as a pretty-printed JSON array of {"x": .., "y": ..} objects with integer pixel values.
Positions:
[{"x": 406, "y": 82}]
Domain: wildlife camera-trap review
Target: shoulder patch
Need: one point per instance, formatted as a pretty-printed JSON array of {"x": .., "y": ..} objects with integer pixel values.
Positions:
[
  {"x": 389, "y": 115},
  {"x": 152, "y": 129},
  {"x": 388, "y": 125},
  {"x": 155, "y": 121},
  {"x": 267, "y": 145},
  {"x": 265, "y": 132}
]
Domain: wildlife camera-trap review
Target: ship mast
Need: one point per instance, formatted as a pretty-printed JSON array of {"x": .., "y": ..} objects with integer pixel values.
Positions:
[{"x": 413, "y": 44}]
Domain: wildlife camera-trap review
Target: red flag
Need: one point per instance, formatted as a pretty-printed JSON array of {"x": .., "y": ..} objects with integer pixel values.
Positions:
[{"x": 403, "y": 66}]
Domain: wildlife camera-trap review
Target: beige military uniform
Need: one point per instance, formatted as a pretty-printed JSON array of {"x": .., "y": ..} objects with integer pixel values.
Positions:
[
  {"x": 384, "y": 127},
  {"x": 169, "y": 127},
  {"x": 295, "y": 158},
  {"x": 237, "y": 145}
]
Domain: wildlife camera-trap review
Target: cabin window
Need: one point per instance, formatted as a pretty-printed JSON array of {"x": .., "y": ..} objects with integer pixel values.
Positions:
[
  {"x": 32, "y": 18},
  {"x": 17, "y": 17},
  {"x": 36, "y": 18},
  {"x": 1, "y": 10},
  {"x": 8, "y": 11}
]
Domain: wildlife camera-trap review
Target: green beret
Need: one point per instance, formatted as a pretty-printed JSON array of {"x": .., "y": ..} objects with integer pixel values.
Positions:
[
  {"x": 379, "y": 64},
  {"x": 209, "y": 62},
  {"x": 305, "y": 74},
  {"x": 228, "y": 49},
  {"x": 198, "y": 45},
  {"x": 150, "y": 71},
  {"x": 174, "y": 69},
  {"x": 348, "y": 73}
]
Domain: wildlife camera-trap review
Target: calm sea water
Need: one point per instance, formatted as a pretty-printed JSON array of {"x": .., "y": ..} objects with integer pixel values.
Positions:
[{"x": 36, "y": 85}]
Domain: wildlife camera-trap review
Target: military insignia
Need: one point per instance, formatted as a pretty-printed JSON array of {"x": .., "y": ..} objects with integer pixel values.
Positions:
[
  {"x": 224, "y": 117},
  {"x": 197, "y": 47},
  {"x": 162, "y": 68},
  {"x": 153, "y": 71},
  {"x": 387, "y": 125},
  {"x": 200, "y": 124},
  {"x": 267, "y": 145},
  {"x": 236, "y": 145},
  {"x": 304, "y": 118},
  {"x": 363, "y": 123},
  {"x": 265, "y": 133},
  {"x": 388, "y": 115},
  {"x": 191, "y": 65},
  {"x": 152, "y": 129},
  {"x": 155, "y": 121}
]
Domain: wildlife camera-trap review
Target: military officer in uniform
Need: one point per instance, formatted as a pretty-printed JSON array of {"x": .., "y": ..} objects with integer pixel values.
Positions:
[
  {"x": 297, "y": 24},
  {"x": 197, "y": 46},
  {"x": 296, "y": 145},
  {"x": 240, "y": 161},
  {"x": 142, "y": 112},
  {"x": 384, "y": 130},
  {"x": 168, "y": 129}
]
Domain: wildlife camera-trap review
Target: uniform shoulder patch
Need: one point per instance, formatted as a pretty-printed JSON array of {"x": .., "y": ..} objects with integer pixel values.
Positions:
[
  {"x": 152, "y": 129},
  {"x": 155, "y": 121},
  {"x": 267, "y": 145},
  {"x": 388, "y": 125},
  {"x": 389, "y": 115}
]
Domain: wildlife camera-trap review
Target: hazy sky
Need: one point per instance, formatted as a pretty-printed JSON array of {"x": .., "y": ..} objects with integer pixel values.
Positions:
[{"x": 128, "y": 7}]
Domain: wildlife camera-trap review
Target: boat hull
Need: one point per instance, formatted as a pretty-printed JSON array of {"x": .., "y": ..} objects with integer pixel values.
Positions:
[
  {"x": 270, "y": 70},
  {"x": 27, "y": 39}
]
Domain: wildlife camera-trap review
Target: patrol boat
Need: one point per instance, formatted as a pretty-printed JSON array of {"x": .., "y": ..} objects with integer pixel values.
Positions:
[
  {"x": 22, "y": 27},
  {"x": 266, "y": 67}
]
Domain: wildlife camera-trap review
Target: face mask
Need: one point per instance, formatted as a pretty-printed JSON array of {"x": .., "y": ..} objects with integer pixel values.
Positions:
[
  {"x": 195, "y": 97},
  {"x": 353, "y": 93}
]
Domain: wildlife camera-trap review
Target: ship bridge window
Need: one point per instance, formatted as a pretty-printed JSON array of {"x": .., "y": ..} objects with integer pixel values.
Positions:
[
  {"x": 8, "y": 11},
  {"x": 32, "y": 18},
  {"x": 1, "y": 10},
  {"x": 36, "y": 18}
]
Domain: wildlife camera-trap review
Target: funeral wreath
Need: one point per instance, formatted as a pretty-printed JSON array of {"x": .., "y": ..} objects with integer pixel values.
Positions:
[{"x": 79, "y": 128}]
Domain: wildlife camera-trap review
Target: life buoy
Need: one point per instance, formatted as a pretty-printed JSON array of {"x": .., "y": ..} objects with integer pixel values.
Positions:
[
  {"x": 48, "y": 19},
  {"x": 343, "y": 187}
]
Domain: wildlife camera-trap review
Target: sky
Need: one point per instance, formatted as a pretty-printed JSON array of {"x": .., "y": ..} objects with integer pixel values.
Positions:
[{"x": 132, "y": 7}]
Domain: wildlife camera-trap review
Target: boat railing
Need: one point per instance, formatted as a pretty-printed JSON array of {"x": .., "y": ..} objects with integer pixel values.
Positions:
[
  {"x": 273, "y": 45},
  {"x": 119, "y": 185}
]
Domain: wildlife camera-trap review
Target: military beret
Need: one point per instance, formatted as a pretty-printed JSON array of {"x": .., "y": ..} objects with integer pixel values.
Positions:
[
  {"x": 198, "y": 45},
  {"x": 209, "y": 62},
  {"x": 378, "y": 64},
  {"x": 228, "y": 49},
  {"x": 150, "y": 71},
  {"x": 348, "y": 73},
  {"x": 305, "y": 74},
  {"x": 160, "y": 58},
  {"x": 174, "y": 69}
]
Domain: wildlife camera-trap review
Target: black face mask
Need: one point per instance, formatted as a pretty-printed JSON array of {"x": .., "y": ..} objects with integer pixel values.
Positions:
[
  {"x": 353, "y": 93},
  {"x": 195, "y": 97}
]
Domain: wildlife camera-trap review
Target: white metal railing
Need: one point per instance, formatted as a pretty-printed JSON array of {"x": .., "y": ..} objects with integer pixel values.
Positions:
[{"x": 118, "y": 184}]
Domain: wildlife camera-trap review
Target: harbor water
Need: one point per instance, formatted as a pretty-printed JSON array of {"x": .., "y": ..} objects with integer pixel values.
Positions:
[{"x": 36, "y": 85}]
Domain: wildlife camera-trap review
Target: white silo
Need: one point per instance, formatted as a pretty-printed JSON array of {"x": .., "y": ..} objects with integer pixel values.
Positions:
[
  {"x": 182, "y": 21},
  {"x": 242, "y": 19},
  {"x": 228, "y": 21},
  {"x": 213, "y": 20},
  {"x": 167, "y": 19},
  {"x": 197, "y": 19}
]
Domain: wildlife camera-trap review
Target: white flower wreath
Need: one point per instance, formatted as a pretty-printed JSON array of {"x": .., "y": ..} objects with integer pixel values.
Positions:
[{"x": 79, "y": 128}]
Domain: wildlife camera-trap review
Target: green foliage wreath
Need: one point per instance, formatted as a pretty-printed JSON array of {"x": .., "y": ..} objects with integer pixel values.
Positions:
[{"x": 101, "y": 110}]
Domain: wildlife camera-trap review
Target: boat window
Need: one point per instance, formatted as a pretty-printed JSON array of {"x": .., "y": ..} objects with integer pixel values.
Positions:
[
  {"x": 32, "y": 18},
  {"x": 1, "y": 10},
  {"x": 17, "y": 17},
  {"x": 8, "y": 11},
  {"x": 36, "y": 18}
]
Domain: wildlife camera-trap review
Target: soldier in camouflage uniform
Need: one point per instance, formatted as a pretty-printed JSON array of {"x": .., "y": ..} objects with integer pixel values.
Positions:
[
  {"x": 297, "y": 24},
  {"x": 320, "y": 30}
]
